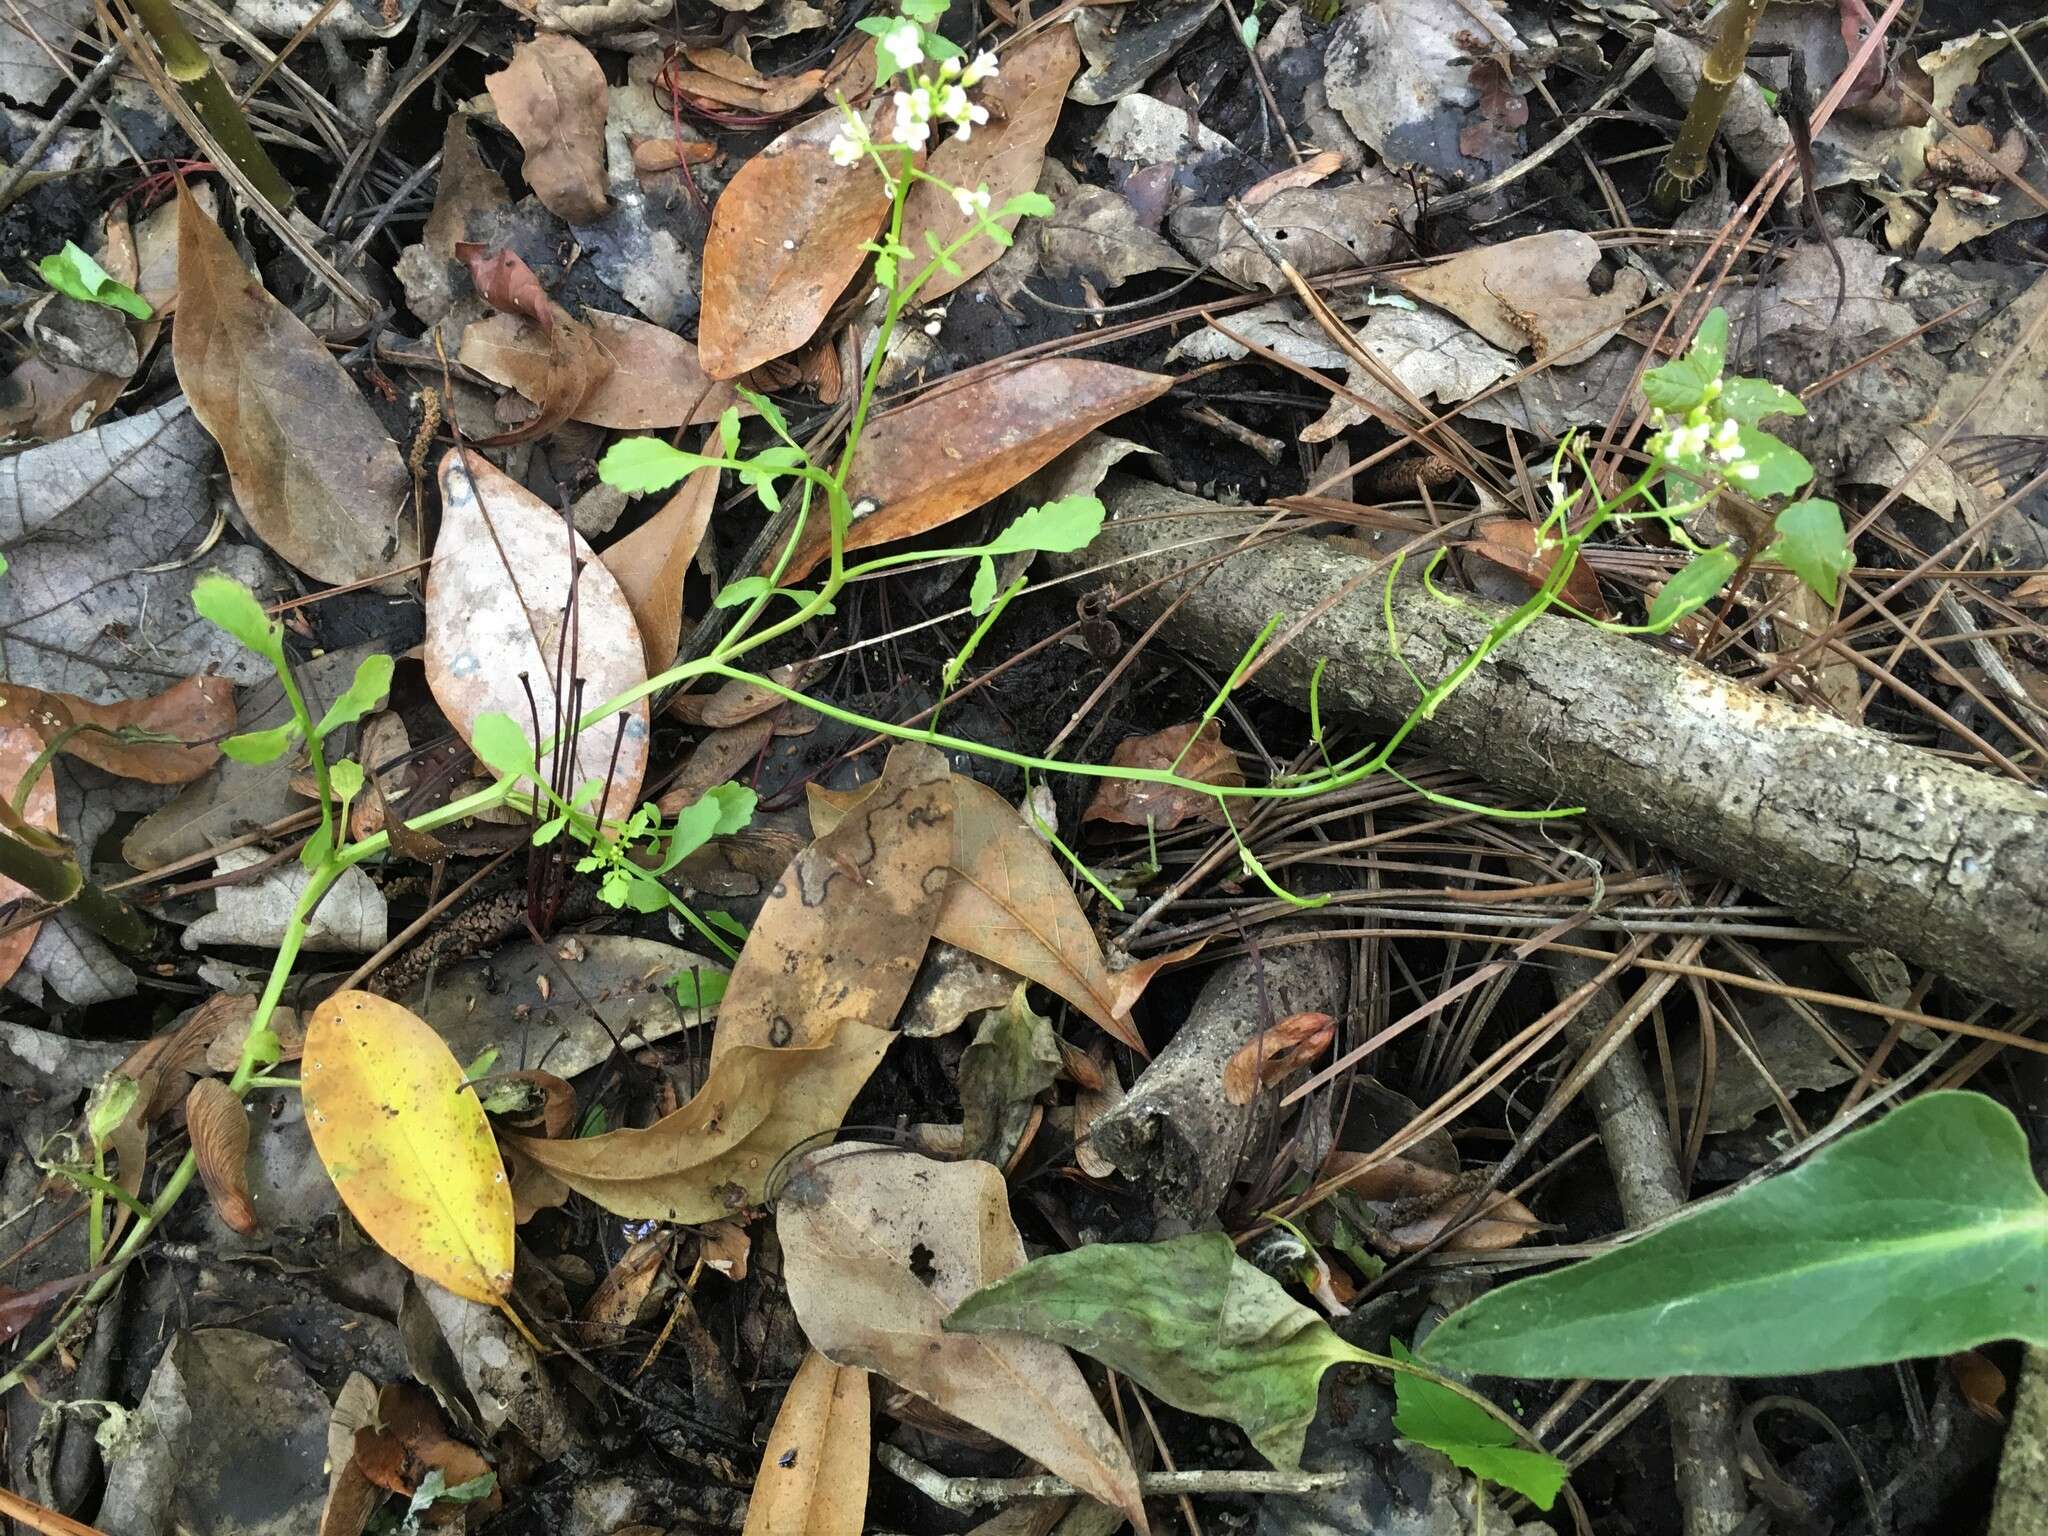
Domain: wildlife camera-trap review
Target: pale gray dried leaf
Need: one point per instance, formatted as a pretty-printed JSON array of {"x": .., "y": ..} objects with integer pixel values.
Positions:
[
  {"x": 603, "y": 992},
  {"x": 1322, "y": 229},
  {"x": 503, "y": 1376},
  {"x": 1801, "y": 291},
  {"x": 69, "y": 959},
  {"x": 1552, "y": 400},
  {"x": 81, "y": 520},
  {"x": 352, "y": 919},
  {"x": 951, "y": 984},
  {"x": 1147, "y": 131},
  {"x": 1402, "y": 73},
  {"x": 1096, "y": 234},
  {"x": 221, "y": 1401},
  {"x": 1429, "y": 352},
  {"x": 37, "y": 32},
  {"x": 1125, "y": 45},
  {"x": 233, "y": 798}
]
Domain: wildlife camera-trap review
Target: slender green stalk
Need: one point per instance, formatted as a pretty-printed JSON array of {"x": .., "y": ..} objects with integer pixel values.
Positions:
[{"x": 209, "y": 97}]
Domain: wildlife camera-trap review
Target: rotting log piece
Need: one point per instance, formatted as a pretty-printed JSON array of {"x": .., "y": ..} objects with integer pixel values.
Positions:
[{"x": 1945, "y": 865}]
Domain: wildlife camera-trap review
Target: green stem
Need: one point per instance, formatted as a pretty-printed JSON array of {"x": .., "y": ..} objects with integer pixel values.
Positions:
[
  {"x": 209, "y": 97},
  {"x": 1686, "y": 164}
]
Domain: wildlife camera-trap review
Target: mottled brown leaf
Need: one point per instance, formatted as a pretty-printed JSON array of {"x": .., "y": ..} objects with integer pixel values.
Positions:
[
  {"x": 1133, "y": 803},
  {"x": 497, "y": 599},
  {"x": 649, "y": 378},
  {"x": 1532, "y": 294},
  {"x": 312, "y": 470},
  {"x": 785, "y": 241},
  {"x": 19, "y": 748},
  {"x": 814, "y": 1468},
  {"x": 553, "y": 98},
  {"x": 1273, "y": 1055},
  {"x": 963, "y": 445},
  {"x": 466, "y": 186},
  {"x": 1510, "y": 543},
  {"x": 200, "y": 710}
]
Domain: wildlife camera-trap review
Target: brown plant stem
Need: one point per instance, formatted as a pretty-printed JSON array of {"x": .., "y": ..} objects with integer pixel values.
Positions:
[
  {"x": 1686, "y": 165},
  {"x": 209, "y": 97}
]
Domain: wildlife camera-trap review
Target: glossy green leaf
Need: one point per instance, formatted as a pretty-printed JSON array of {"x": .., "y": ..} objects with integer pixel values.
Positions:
[
  {"x": 1682, "y": 383},
  {"x": 1188, "y": 1320},
  {"x": 737, "y": 594},
  {"x": 1812, "y": 541},
  {"x": 699, "y": 989},
  {"x": 1433, "y": 1415},
  {"x": 501, "y": 742},
  {"x": 1923, "y": 1234},
  {"x": 346, "y": 778},
  {"x": 71, "y": 271},
  {"x": 371, "y": 686},
  {"x": 1780, "y": 468},
  {"x": 223, "y": 601},
  {"x": 1063, "y": 526},
  {"x": 983, "y": 590},
  {"x": 1693, "y": 587},
  {"x": 262, "y": 746},
  {"x": 1749, "y": 401},
  {"x": 638, "y": 465},
  {"x": 735, "y": 804}
]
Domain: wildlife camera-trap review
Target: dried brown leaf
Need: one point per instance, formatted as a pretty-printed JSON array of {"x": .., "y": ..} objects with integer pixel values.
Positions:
[
  {"x": 1532, "y": 293},
  {"x": 653, "y": 560},
  {"x": 219, "y": 1128},
  {"x": 814, "y": 1469},
  {"x": 1510, "y": 543},
  {"x": 785, "y": 241},
  {"x": 962, "y": 446},
  {"x": 628, "y": 1289},
  {"x": 409, "y": 1440},
  {"x": 878, "y": 1246},
  {"x": 466, "y": 187},
  {"x": 1133, "y": 803},
  {"x": 312, "y": 470},
  {"x": 488, "y": 622},
  {"x": 200, "y": 710},
  {"x": 1006, "y": 155},
  {"x": 806, "y": 1014},
  {"x": 553, "y": 98},
  {"x": 1273, "y": 1055},
  {"x": 19, "y": 749},
  {"x": 507, "y": 283},
  {"x": 641, "y": 376},
  {"x": 558, "y": 368}
]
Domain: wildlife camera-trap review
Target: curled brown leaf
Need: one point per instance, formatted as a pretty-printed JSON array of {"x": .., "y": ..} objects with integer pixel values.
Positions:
[{"x": 219, "y": 1128}]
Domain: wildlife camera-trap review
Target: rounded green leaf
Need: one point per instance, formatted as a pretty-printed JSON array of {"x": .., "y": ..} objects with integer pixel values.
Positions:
[
  {"x": 641, "y": 464},
  {"x": 1812, "y": 541},
  {"x": 1921, "y": 1235},
  {"x": 1693, "y": 587}
]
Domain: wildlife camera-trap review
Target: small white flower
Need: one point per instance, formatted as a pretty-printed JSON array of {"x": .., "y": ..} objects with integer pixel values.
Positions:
[
  {"x": 972, "y": 203},
  {"x": 949, "y": 68},
  {"x": 1746, "y": 470},
  {"x": 953, "y": 104},
  {"x": 845, "y": 149},
  {"x": 983, "y": 68},
  {"x": 902, "y": 46},
  {"x": 913, "y": 124}
]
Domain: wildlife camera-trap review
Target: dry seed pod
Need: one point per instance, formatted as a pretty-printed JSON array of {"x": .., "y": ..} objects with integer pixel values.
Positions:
[{"x": 219, "y": 1128}]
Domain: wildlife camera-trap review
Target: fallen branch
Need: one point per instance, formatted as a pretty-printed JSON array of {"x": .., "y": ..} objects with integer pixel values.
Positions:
[
  {"x": 1943, "y": 864},
  {"x": 968, "y": 1493}
]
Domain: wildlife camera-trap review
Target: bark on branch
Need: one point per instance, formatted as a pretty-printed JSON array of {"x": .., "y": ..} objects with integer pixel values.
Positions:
[{"x": 1943, "y": 864}]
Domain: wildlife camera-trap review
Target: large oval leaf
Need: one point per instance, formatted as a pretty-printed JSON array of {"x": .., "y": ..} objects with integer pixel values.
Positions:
[
  {"x": 310, "y": 465},
  {"x": 1924, "y": 1234},
  {"x": 497, "y": 598},
  {"x": 407, "y": 1144},
  {"x": 961, "y": 446},
  {"x": 814, "y": 1469},
  {"x": 785, "y": 240},
  {"x": 878, "y": 1245}
]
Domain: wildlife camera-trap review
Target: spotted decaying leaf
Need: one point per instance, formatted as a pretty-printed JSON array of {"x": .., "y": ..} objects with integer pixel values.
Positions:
[
  {"x": 814, "y": 1469},
  {"x": 879, "y": 1245},
  {"x": 784, "y": 242},
  {"x": 1533, "y": 294},
  {"x": 1194, "y": 751},
  {"x": 407, "y": 1144},
  {"x": 806, "y": 1014},
  {"x": 497, "y": 599},
  {"x": 198, "y": 712}
]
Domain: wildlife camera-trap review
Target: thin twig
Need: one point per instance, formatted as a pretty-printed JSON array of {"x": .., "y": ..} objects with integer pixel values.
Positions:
[{"x": 968, "y": 1493}]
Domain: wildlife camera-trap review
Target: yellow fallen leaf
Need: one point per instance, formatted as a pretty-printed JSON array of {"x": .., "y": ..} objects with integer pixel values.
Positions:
[
  {"x": 814, "y": 1469},
  {"x": 407, "y": 1144}
]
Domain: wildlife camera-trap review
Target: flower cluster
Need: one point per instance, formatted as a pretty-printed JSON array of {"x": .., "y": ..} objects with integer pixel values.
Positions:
[
  {"x": 926, "y": 98},
  {"x": 1703, "y": 434}
]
